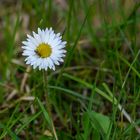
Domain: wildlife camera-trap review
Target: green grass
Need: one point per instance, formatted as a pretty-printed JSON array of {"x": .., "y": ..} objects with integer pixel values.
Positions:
[{"x": 94, "y": 94}]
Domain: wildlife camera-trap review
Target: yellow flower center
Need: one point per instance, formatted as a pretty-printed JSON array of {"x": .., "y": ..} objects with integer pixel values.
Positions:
[{"x": 43, "y": 50}]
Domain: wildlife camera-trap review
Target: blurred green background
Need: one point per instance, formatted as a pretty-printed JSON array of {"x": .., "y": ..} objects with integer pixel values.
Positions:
[{"x": 95, "y": 93}]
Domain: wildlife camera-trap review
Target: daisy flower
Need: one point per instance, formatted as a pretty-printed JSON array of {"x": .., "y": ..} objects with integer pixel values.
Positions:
[{"x": 44, "y": 49}]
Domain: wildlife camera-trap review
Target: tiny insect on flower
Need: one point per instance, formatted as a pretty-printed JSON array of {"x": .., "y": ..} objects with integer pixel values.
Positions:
[{"x": 44, "y": 49}]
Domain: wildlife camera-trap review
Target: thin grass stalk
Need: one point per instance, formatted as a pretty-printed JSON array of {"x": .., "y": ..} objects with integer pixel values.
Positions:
[{"x": 45, "y": 86}]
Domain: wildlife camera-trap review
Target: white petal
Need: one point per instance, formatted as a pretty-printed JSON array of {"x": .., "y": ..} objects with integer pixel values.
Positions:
[
  {"x": 46, "y": 37},
  {"x": 37, "y": 37},
  {"x": 28, "y": 53},
  {"x": 52, "y": 35},
  {"x": 31, "y": 39},
  {"x": 61, "y": 60}
]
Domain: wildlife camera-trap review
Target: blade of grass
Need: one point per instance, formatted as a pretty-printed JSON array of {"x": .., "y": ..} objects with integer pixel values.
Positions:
[
  {"x": 45, "y": 113},
  {"x": 27, "y": 122},
  {"x": 89, "y": 86},
  {"x": 130, "y": 65},
  {"x": 47, "y": 117},
  {"x": 9, "y": 122},
  {"x": 73, "y": 93},
  {"x": 12, "y": 134}
]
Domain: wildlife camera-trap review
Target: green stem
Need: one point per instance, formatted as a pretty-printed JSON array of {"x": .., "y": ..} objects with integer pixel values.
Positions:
[{"x": 45, "y": 86}]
